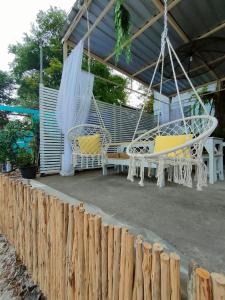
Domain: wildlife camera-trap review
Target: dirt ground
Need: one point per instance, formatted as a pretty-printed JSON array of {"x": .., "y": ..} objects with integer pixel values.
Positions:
[{"x": 15, "y": 282}]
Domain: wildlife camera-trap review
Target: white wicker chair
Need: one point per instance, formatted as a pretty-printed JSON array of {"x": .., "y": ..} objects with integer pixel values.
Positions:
[
  {"x": 92, "y": 156},
  {"x": 178, "y": 160}
]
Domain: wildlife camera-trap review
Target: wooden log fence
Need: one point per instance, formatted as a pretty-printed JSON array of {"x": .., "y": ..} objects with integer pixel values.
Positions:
[{"x": 72, "y": 254}]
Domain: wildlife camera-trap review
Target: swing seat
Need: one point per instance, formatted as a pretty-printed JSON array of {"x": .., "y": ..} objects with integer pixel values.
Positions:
[
  {"x": 177, "y": 147},
  {"x": 89, "y": 145}
]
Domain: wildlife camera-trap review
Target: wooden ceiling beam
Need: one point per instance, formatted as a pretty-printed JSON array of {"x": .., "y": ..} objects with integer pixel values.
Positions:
[
  {"x": 99, "y": 59},
  {"x": 181, "y": 34},
  {"x": 99, "y": 19},
  {"x": 76, "y": 20},
  {"x": 198, "y": 87},
  {"x": 213, "y": 30},
  {"x": 172, "y": 21},
  {"x": 192, "y": 70},
  {"x": 145, "y": 26}
]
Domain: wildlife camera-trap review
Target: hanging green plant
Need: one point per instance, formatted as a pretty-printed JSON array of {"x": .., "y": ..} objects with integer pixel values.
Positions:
[{"x": 122, "y": 30}]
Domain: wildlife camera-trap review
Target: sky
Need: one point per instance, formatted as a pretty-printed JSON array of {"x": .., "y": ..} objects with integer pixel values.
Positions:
[{"x": 16, "y": 17}]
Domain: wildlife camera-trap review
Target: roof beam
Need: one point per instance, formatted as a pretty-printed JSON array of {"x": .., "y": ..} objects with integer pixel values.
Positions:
[
  {"x": 221, "y": 26},
  {"x": 198, "y": 87},
  {"x": 192, "y": 70},
  {"x": 99, "y": 18},
  {"x": 145, "y": 26},
  {"x": 179, "y": 30},
  {"x": 76, "y": 20},
  {"x": 72, "y": 45},
  {"x": 172, "y": 21},
  {"x": 215, "y": 29}
]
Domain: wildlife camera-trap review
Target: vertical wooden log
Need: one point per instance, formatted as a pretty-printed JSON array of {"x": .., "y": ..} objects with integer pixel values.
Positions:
[
  {"x": 175, "y": 276},
  {"x": 110, "y": 262},
  {"x": 10, "y": 210},
  {"x": 98, "y": 267},
  {"x": 139, "y": 274},
  {"x": 156, "y": 271},
  {"x": 48, "y": 277},
  {"x": 20, "y": 219},
  {"x": 59, "y": 250},
  {"x": 65, "y": 50},
  {"x": 46, "y": 246},
  {"x": 165, "y": 276},
  {"x": 65, "y": 230},
  {"x": 92, "y": 278},
  {"x": 146, "y": 269},
  {"x": 122, "y": 263},
  {"x": 203, "y": 285},
  {"x": 30, "y": 232},
  {"x": 129, "y": 267},
  {"x": 21, "y": 222},
  {"x": 53, "y": 237},
  {"x": 75, "y": 250},
  {"x": 34, "y": 225},
  {"x": 86, "y": 255},
  {"x": 26, "y": 228},
  {"x": 104, "y": 247},
  {"x": 218, "y": 286},
  {"x": 69, "y": 255},
  {"x": 116, "y": 262},
  {"x": 191, "y": 284},
  {"x": 80, "y": 281}
]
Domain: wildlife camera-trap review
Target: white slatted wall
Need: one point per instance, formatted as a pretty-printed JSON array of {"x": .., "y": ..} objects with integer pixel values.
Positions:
[{"x": 120, "y": 121}]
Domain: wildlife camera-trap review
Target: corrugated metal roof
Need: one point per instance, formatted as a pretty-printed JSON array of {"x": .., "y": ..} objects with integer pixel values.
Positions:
[{"x": 193, "y": 17}]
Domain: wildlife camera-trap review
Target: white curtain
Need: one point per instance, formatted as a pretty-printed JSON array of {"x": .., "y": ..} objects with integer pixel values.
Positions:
[{"x": 74, "y": 101}]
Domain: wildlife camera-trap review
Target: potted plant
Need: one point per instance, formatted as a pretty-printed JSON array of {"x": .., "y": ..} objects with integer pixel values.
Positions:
[{"x": 26, "y": 163}]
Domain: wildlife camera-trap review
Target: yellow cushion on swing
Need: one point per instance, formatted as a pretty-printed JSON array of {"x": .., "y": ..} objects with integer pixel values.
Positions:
[
  {"x": 166, "y": 142},
  {"x": 90, "y": 144}
]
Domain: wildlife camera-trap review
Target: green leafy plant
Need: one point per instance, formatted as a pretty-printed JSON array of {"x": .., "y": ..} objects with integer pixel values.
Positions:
[
  {"x": 8, "y": 139},
  {"x": 196, "y": 108},
  {"x": 122, "y": 30},
  {"x": 149, "y": 105},
  {"x": 24, "y": 158}
]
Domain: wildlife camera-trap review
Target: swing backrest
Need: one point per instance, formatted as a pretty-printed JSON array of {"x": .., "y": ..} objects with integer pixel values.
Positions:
[{"x": 89, "y": 139}]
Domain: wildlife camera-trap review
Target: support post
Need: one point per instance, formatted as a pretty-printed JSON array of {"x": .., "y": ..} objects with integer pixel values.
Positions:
[{"x": 65, "y": 50}]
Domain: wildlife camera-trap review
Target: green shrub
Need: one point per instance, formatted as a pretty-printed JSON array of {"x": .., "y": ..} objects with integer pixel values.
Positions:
[{"x": 24, "y": 158}]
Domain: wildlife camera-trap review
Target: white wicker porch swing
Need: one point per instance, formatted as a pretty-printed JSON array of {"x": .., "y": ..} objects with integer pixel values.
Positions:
[{"x": 176, "y": 146}]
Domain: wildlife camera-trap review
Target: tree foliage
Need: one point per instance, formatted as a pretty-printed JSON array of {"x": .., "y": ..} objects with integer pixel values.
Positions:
[
  {"x": 6, "y": 89},
  {"x": 25, "y": 67},
  {"x": 103, "y": 89},
  {"x": 8, "y": 139},
  {"x": 46, "y": 31}
]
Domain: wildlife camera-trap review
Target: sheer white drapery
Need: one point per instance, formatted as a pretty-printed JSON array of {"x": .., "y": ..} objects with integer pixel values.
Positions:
[{"x": 74, "y": 100}]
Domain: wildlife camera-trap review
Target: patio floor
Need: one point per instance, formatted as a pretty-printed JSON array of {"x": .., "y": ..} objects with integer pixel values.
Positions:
[{"x": 193, "y": 222}]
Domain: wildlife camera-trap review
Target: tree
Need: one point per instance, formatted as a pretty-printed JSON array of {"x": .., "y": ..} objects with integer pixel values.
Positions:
[
  {"x": 147, "y": 102},
  {"x": 6, "y": 89},
  {"x": 104, "y": 90},
  {"x": 46, "y": 31},
  {"x": 9, "y": 136},
  {"x": 216, "y": 101}
]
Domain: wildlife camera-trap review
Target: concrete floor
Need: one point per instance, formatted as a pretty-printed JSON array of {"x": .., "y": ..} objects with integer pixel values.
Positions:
[{"x": 193, "y": 222}]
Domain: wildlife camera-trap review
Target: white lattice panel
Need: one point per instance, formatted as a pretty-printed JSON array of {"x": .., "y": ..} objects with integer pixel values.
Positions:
[{"x": 119, "y": 120}]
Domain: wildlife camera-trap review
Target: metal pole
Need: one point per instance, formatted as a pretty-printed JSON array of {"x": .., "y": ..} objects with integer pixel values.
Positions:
[{"x": 41, "y": 65}]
